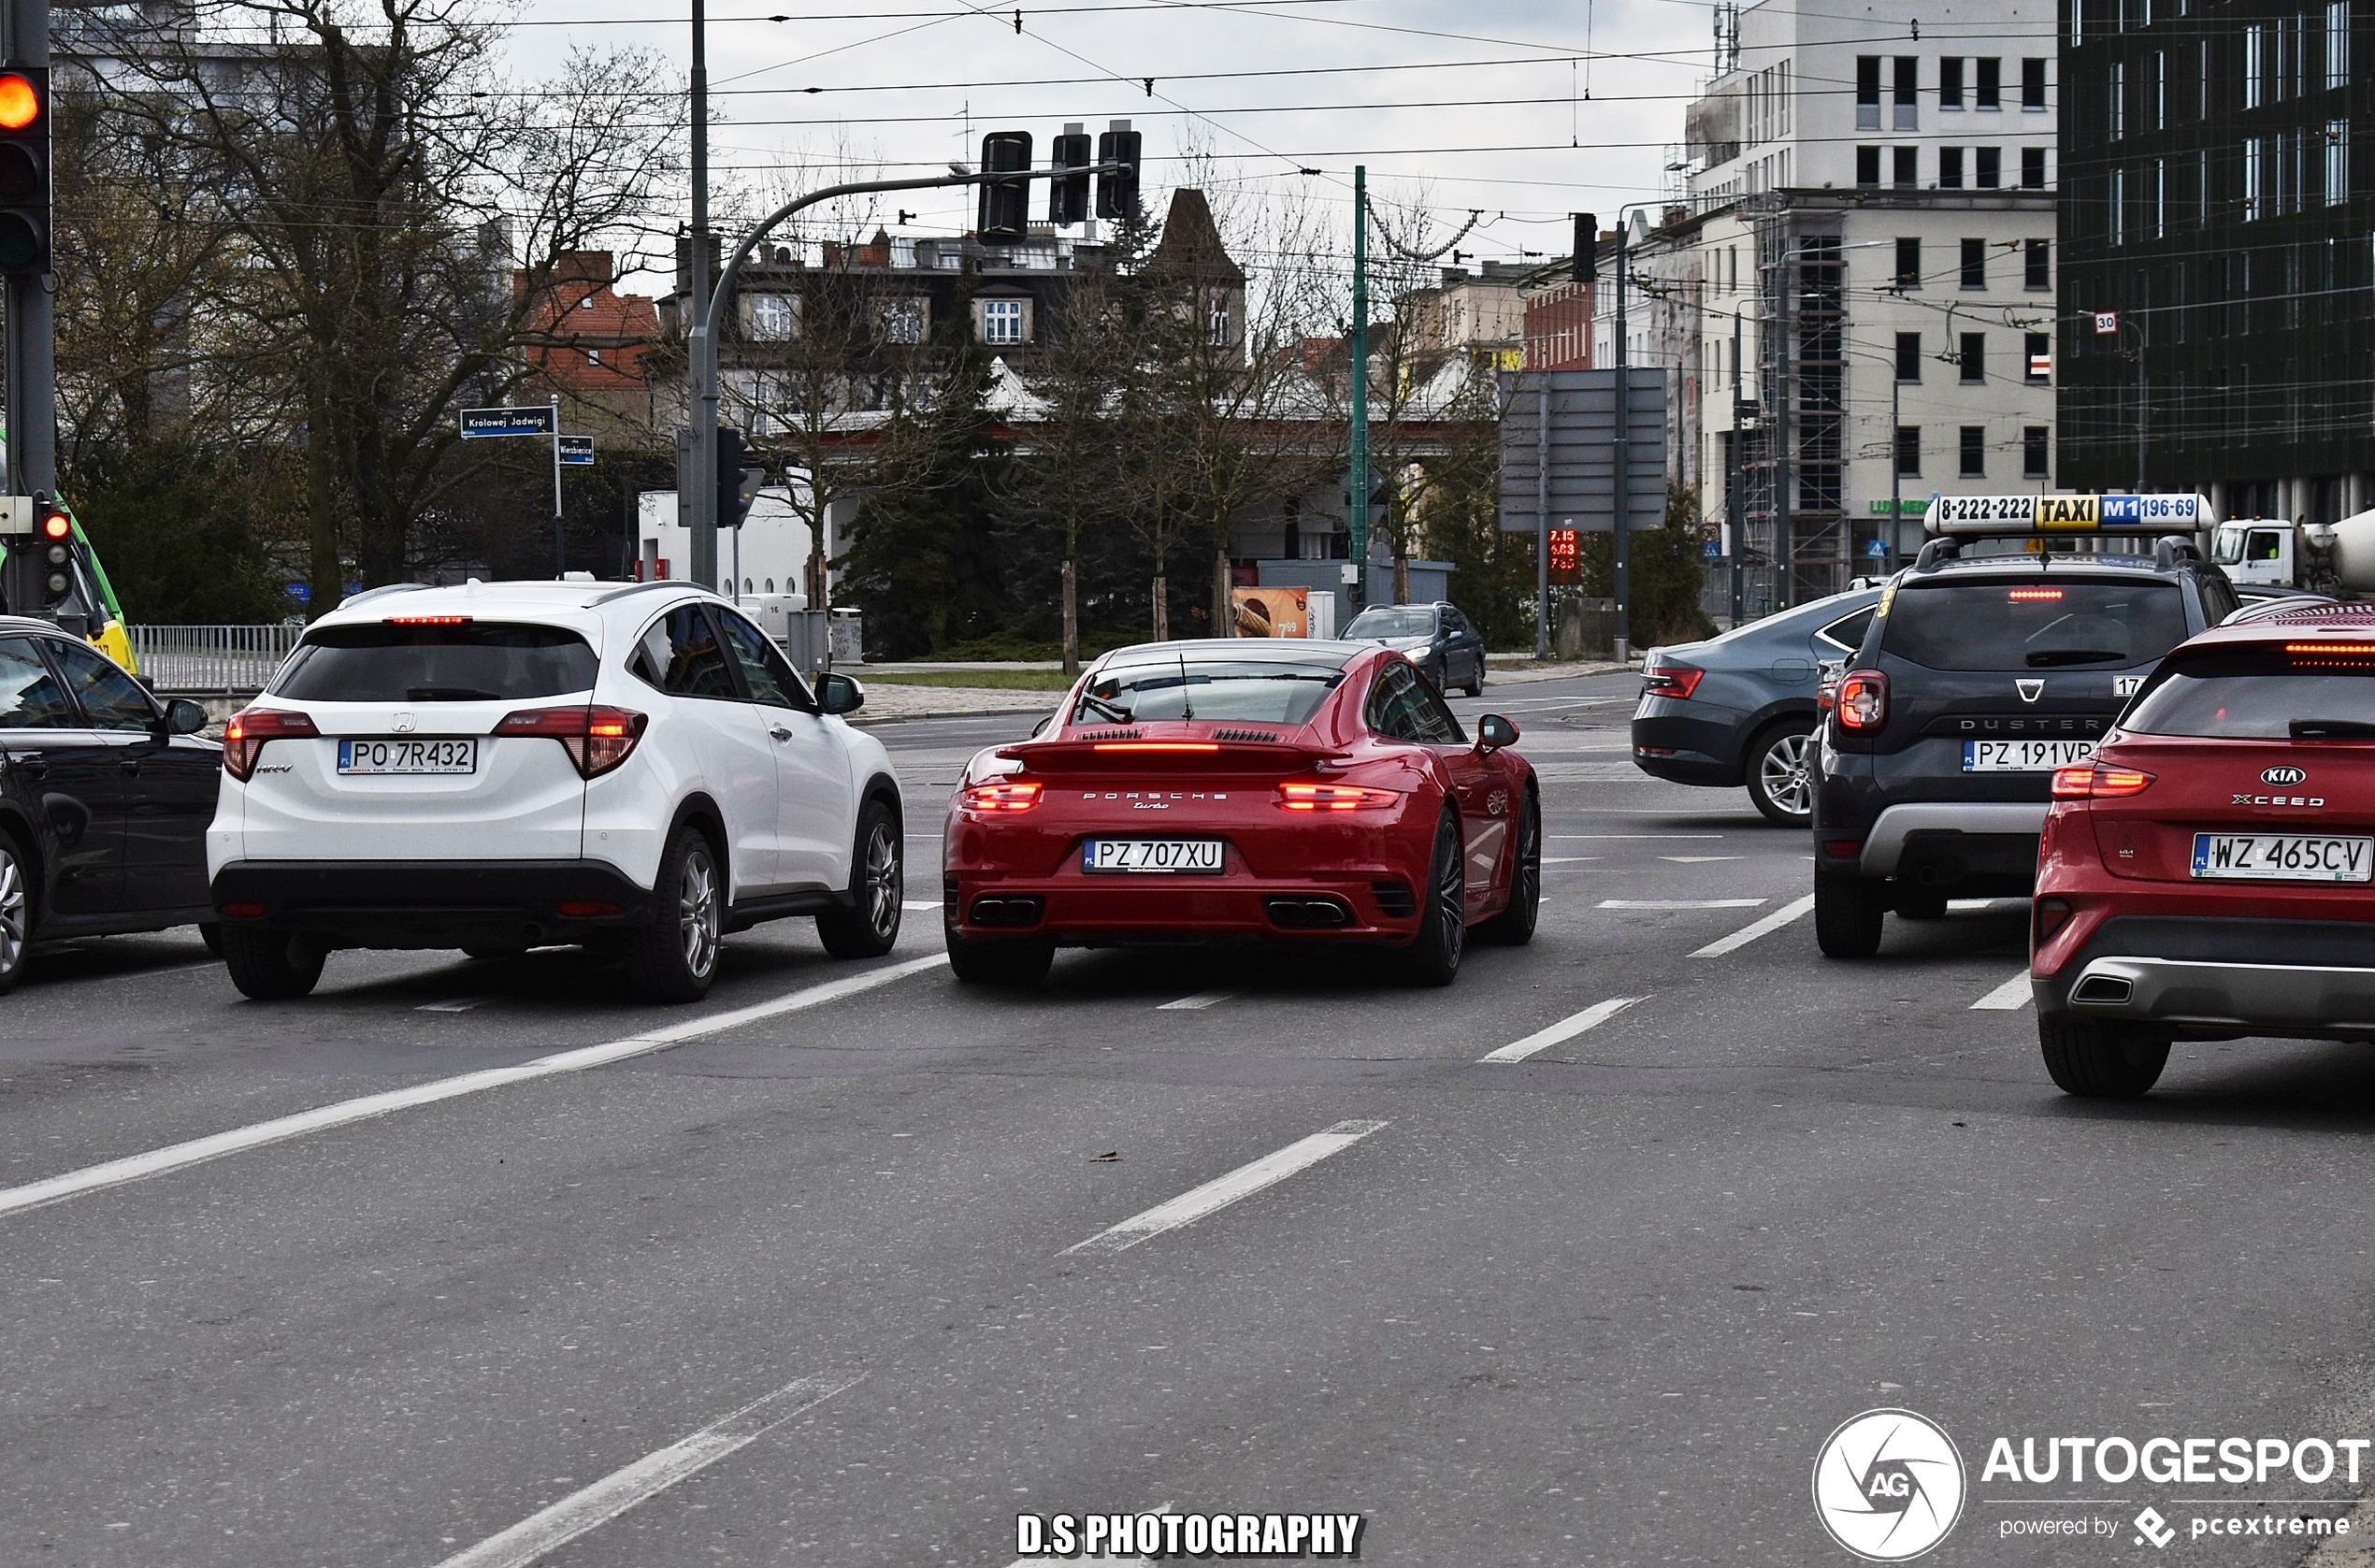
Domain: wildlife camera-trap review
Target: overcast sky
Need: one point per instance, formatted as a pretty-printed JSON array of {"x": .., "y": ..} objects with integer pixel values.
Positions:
[{"x": 1528, "y": 111}]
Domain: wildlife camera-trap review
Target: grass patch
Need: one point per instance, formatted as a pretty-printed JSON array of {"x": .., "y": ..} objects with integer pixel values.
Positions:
[
  {"x": 994, "y": 679},
  {"x": 1092, "y": 643}
]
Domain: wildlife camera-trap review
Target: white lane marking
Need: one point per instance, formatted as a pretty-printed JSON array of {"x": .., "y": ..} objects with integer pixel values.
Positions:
[
  {"x": 1221, "y": 1191},
  {"x": 1567, "y": 859},
  {"x": 1700, "y": 859},
  {"x": 1765, "y": 926},
  {"x": 584, "y": 1509},
  {"x": 921, "y": 903},
  {"x": 1682, "y": 903},
  {"x": 2011, "y": 997},
  {"x": 1565, "y": 1029},
  {"x": 173, "y": 1157},
  {"x": 1634, "y": 835},
  {"x": 1196, "y": 1003},
  {"x": 456, "y": 1004}
]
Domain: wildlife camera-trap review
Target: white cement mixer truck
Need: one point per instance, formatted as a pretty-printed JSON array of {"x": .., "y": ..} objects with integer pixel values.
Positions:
[{"x": 2321, "y": 558}]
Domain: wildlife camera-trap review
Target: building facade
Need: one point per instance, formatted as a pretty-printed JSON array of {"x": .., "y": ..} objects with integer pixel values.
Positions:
[{"x": 2216, "y": 331}]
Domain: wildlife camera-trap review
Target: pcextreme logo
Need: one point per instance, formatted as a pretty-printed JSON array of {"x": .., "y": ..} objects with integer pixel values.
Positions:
[{"x": 1888, "y": 1485}]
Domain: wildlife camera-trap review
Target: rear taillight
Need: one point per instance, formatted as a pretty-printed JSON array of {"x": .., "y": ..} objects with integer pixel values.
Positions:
[
  {"x": 1861, "y": 703},
  {"x": 243, "y": 737},
  {"x": 596, "y": 738},
  {"x": 1335, "y": 798},
  {"x": 2090, "y": 781},
  {"x": 1678, "y": 680},
  {"x": 1005, "y": 796}
]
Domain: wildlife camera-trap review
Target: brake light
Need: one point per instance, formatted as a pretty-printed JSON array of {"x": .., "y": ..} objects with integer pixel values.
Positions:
[
  {"x": 1335, "y": 798},
  {"x": 2347, "y": 654},
  {"x": 2036, "y": 596},
  {"x": 596, "y": 738},
  {"x": 243, "y": 737},
  {"x": 1005, "y": 797},
  {"x": 1158, "y": 745},
  {"x": 1677, "y": 681},
  {"x": 1862, "y": 700},
  {"x": 427, "y": 621},
  {"x": 2092, "y": 782}
]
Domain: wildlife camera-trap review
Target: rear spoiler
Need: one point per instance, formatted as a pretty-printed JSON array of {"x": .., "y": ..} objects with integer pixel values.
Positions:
[{"x": 1185, "y": 754}]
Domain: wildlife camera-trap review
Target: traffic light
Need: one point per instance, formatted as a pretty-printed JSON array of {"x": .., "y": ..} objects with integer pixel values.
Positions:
[
  {"x": 738, "y": 480},
  {"x": 53, "y": 536},
  {"x": 1117, "y": 189},
  {"x": 1587, "y": 247},
  {"x": 1005, "y": 203},
  {"x": 24, "y": 170},
  {"x": 1068, "y": 194}
]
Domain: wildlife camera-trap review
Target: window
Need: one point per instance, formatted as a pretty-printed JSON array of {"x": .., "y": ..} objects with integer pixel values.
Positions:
[
  {"x": 2337, "y": 162},
  {"x": 2077, "y": 22},
  {"x": 2337, "y": 43},
  {"x": 2041, "y": 354},
  {"x": 1907, "y": 172},
  {"x": 768, "y": 318},
  {"x": 1908, "y": 264},
  {"x": 1909, "y": 451},
  {"x": 2116, "y": 230},
  {"x": 1991, "y": 83},
  {"x": 2251, "y": 692},
  {"x": 2255, "y": 65},
  {"x": 1846, "y": 634},
  {"x": 1974, "y": 452},
  {"x": 1218, "y": 325},
  {"x": 2254, "y": 202},
  {"x": 30, "y": 698},
  {"x": 1867, "y": 96},
  {"x": 2202, "y": 84},
  {"x": 1950, "y": 83},
  {"x": 1402, "y": 705},
  {"x": 2034, "y": 451},
  {"x": 766, "y": 674},
  {"x": 376, "y": 662},
  {"x": 1867, "y": 165},
  {"x": 904, "y": 321},
  {"x": 1974, "y": 356},
  {"x": 1990, "y": 627},
  {"x": 111, "y": 699},
  {"x": 1002, "y": 321},
  {"x": 2033, "y": 84},
  {"x": 1973, "y": 264},
  {"x": 1267, "y": 692},
  {"x": 2032, "y": 168},
  {"x": 1908, "y": 76},
  {"x": 585, "y": 302},
  {"x": 680, "y": 653},
  {"x": 2037, "y": 269},
  {"x": 1988, "y": 174},
  {"x": 1949, "y": 169},
  {"x": 1908, "y": 356},
  {"x": 2115, "y": 101},
  {"x": 593, "y": 357}
]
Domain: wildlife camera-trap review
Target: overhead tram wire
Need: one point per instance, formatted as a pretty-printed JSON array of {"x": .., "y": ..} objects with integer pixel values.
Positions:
[{"x": 674, "y": 20}]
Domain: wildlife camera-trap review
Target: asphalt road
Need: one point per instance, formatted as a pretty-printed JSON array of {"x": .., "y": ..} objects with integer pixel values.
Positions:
[{"x": 1598, "y": 1305}]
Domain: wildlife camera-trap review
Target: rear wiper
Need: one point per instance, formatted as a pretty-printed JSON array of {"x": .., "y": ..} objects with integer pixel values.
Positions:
[
  {"x": 2045, "y": 658},
  {"x": 448, "y": 694},
  {"x": 2332, "y": 729},
  {"x": 1120, "y": 715}
]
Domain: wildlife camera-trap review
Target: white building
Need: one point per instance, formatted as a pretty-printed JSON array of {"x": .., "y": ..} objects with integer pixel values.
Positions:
[{"x": 1865, "y": 259}]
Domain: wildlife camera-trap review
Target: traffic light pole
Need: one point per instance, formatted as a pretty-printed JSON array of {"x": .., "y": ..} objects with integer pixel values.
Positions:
[
  {"x": 30, "y": 355},
  {"x": 1357, "y": 474}
]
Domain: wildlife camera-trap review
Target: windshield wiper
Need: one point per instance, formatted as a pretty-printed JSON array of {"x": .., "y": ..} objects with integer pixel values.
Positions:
[
  {"x": 1120, "y": 715},
  {"x": 448, "y": 694},
  {"x": 2046, "y": 658},
  {"x": 2332, "y": 729}
]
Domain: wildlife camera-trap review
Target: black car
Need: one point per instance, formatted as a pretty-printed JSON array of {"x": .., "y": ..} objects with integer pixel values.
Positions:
[
  {"x": 1739, "y": 709},
  {"x": 1443, "y": 644},
  {"x": 1981, "y": 676},
  {"x": 104, "y": 798}
]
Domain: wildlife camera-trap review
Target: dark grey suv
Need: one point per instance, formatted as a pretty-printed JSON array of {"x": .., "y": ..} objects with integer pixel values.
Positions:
[{"x": 1739, "y": 709}]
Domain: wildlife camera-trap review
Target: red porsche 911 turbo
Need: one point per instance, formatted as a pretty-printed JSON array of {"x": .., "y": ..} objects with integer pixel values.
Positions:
[{"x": 1250, "y": 789}]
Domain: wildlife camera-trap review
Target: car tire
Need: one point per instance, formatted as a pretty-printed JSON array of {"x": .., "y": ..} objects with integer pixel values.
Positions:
[
  {"x": 1915, "y": 902},
  {"x": 1779, "y": 772},
  {"x": 675, "y": 957},
  {"x": 1847, "y": 915},
  {"x": 877, "y": 890},
  {"x": 211, "y": 932},
  {"x": 17, "y": 912},
  {"x": 1007, "y": 964},
  {"x": 1477, "y": 684},
  {"x": 2100, "y": 1059},
  {"x": 1443, "y": 919},
  {"x": 1514, "y": 925},
  {"x": 272, "y": 966}
]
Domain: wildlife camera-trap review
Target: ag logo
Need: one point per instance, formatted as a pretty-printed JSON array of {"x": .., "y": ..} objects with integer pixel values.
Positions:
[
  {"x": 1888, "y": 1485},
  {"x": 2285, "y": 776}
]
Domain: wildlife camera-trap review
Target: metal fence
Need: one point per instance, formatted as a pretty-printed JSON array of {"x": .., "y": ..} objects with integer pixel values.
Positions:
[{"x": 231, "y": 661}]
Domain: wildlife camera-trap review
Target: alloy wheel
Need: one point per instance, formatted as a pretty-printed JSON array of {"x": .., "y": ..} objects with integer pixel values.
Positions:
[
  {"x": 696, "y": 912},
  {"x": 1451, "y": 893},
  {"x": 884, "y": 884},
  {"x": 1787, "y": 780},
  {"x": 1525, "y": 881},
  {"x": 12, "y": 911}
]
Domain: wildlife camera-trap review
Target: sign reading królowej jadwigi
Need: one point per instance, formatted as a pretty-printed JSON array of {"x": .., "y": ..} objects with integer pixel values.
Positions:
[{"x": 534, "y": 420}]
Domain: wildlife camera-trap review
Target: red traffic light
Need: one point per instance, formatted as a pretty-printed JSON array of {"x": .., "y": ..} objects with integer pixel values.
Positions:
[
  {"x": 56, "y": 525},
  {"x": 20, "y": 102}
]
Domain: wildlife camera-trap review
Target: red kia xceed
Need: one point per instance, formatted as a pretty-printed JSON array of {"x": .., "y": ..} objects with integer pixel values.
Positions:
[{"x": 2207, "y": 875}]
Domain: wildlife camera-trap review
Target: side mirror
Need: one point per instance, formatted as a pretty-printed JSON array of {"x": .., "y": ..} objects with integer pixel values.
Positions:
[
  {"x": 1494, "y": 732},
  {"x": 839, "y": 694},
  {"x": 184, "y": 717}
]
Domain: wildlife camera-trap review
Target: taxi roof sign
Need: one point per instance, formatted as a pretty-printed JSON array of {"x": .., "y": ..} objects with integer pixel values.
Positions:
[{"x": 2017, "y": 516}]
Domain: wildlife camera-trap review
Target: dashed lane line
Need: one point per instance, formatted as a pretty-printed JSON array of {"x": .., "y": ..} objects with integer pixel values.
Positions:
[
  {"x": 1196, "y": 1003},
  {"x": 1683, "y": 904},
  {"x": 542, "y": 1533},
  {"x": 2011, "y": 997},
  {"x": 1565, "y": 1029},
  {"x": 174, "y": 1156},
  {"x": 1218, "y": 1193},
  {"x": 1700, "y": 859},
  {"x": 456, "y": 1004},
  {"x": 1764, "y": 926},
  {"x": 1634, "y": 835}
]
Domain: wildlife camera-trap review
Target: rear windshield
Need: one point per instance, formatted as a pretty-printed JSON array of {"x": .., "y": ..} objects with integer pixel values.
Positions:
[
  {"x": 2259, "y": 694},
  {"x": 1402, "y": 622},
  {"x": 2035, "y": 624},
  {"x": 476, "y": 662},
  {"x": 1256, "y": 692}
]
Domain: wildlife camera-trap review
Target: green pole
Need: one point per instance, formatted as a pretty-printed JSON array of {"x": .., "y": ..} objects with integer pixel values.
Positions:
[{"x": 1357, "y": 478}]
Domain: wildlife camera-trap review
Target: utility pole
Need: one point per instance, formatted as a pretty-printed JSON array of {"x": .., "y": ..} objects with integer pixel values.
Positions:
[
  {"x": 1622, "y": 466},
  {"x": 560, "y": 556},
  {"x": 1542, "y": 521},
  {"x": 31, "y": 350},
  {"x": 1777, "y": 418},
  {"x": 697, "y": 482},
  {"x": 1357, "y": 474},
  {"x": 1734, "y": 489}
]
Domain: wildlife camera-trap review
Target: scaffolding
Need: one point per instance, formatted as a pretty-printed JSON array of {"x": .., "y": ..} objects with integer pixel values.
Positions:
[{"x": 1799, "y": 537}]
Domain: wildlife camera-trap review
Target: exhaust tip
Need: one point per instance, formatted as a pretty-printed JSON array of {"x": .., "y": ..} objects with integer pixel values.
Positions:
[{"x": 2103, "y": 990}]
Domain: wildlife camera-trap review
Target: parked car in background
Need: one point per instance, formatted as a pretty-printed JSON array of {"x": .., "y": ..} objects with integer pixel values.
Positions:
[
  {"x": 1740, "y": 709},
  {"x": 1444, "y": 643},
  {"x": 104, "y": 798},
  {"x": 507, "y": 765}
]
